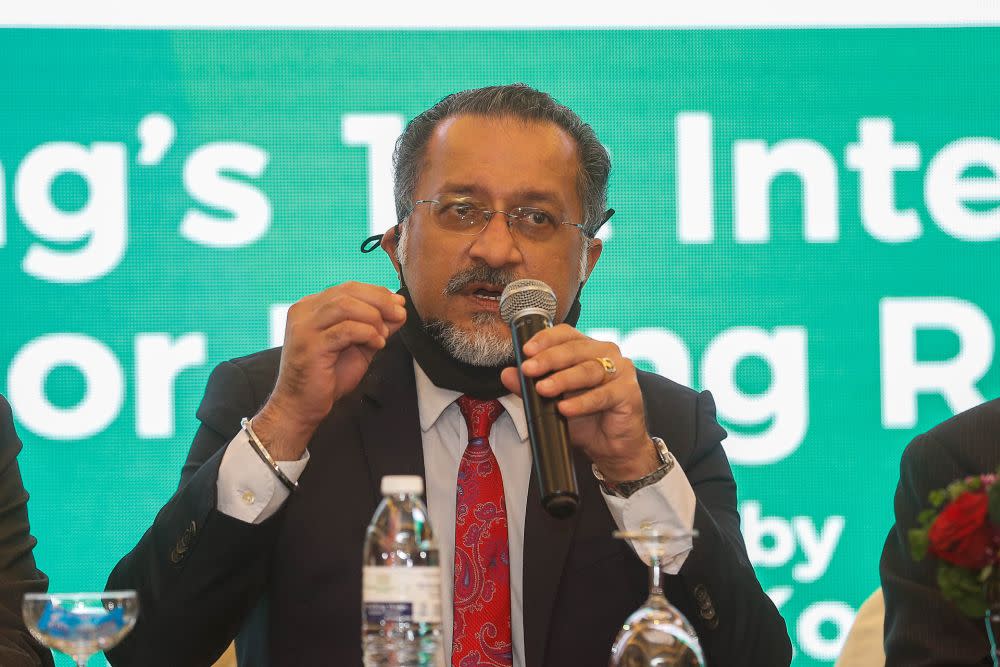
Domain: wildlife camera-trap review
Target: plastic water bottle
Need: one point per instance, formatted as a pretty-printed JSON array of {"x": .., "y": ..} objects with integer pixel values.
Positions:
[{"x": 401, "y": 582}]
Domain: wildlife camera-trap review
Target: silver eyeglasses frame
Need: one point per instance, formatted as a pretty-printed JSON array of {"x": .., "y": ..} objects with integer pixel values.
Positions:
[{"x": 487, "y": 214}]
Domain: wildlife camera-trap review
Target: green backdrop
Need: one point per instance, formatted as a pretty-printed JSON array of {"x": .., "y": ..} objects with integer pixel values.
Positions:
[{"x": 807, "y": 225}]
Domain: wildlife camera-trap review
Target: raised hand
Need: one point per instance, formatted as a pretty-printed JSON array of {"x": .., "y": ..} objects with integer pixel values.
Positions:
[{"x": 330, "y": 339}]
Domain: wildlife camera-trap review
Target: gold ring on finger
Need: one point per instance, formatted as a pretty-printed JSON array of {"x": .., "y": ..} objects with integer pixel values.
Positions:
[{"x": 608, "y": 365}]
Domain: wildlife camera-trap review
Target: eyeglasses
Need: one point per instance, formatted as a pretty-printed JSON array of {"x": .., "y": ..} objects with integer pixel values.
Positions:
[{"x": 466, "y": 216}]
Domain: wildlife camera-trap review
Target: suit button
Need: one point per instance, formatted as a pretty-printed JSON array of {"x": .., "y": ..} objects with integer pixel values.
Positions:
[
  {"x": 705, "y": 607},
  {"x": 184, "y": 543}
]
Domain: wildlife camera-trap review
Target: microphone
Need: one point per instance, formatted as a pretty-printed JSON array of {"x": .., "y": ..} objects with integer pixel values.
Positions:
[{"x": 529, "y": 306}]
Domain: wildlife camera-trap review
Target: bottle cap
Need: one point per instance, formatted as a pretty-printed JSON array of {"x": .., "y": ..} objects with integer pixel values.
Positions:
[{"x": 394, "y": 485}]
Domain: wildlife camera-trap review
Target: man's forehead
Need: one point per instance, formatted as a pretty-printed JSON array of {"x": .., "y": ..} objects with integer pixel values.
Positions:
[
  {"x": 508, "y": 153},
  {"x": 465, "y": 131}
]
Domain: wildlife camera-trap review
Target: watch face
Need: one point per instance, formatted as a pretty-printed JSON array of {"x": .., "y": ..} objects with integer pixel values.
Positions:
[{"x": 661, "y": 450}]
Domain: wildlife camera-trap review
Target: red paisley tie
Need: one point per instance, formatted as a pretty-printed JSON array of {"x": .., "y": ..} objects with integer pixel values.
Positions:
[{"x": 481, "y": 635}]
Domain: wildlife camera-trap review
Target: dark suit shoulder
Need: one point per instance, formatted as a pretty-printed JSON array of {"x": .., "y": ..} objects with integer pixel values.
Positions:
[
  {"x": 665, "y": 386},
  {"x": 678, "y": 401},
  {"x": 680, "y": 415},
  {"x": 18, "y": 573},
  {"x": 11, "y": 444},
  {"x": 261, "y": 368},
  {"x": 969, "y": 441},
  {"x": 238, "y": 388}
]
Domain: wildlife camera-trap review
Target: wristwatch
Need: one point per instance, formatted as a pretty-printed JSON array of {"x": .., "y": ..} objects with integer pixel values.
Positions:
[{"x": 626, "y": 489}]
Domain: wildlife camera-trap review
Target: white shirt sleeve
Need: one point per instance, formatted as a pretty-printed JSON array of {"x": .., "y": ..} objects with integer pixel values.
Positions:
[
  {"x": 667, "y": 505},
  {"x": 247, "y": 488}
]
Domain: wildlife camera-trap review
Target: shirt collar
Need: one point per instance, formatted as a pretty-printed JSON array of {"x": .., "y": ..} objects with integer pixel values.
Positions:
[{"x": 433, "y": 400}]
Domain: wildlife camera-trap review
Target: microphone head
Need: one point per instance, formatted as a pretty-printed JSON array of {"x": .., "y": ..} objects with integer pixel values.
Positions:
[{"x": 527, "y": 294}]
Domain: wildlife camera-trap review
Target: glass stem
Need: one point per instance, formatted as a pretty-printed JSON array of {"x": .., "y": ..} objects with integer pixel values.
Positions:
[{"x": 655, "y": 574}]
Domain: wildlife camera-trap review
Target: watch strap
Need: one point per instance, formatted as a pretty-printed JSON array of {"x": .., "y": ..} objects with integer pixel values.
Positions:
[{"x": 627, "y": 488}]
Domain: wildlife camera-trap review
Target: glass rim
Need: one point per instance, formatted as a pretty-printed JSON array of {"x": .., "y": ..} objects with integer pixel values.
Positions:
[
  {"x": 656, "y": 535},
  {"x": 81, "y": 596}
]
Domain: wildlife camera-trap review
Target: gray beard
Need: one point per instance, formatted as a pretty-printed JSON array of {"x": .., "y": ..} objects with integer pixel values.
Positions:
[{"x": 478, "y": 347}]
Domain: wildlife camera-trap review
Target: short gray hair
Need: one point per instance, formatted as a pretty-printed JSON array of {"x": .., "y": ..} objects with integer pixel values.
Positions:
[{"x": 512, "y": 101}]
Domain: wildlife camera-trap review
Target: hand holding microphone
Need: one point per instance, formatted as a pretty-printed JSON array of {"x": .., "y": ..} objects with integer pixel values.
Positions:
[
  {"x": 529, "y": 307},
  {"x": 574, "y": 385}
]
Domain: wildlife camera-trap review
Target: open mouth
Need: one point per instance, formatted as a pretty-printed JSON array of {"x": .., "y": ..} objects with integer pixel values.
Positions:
[{"x": 488, "y": 294}]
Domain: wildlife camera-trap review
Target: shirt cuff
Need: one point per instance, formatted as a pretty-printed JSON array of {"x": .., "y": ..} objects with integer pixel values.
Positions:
[
  {"x": 247, "y": 488},
  {"x": 667, "y": 505}
]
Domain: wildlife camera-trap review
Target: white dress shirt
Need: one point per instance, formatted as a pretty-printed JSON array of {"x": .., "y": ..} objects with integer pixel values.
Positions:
[{"x": 248, "y": 490}]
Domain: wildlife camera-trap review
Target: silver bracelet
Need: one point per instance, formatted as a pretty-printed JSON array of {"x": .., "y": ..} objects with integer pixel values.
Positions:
[{"x": 265, "y": 456}]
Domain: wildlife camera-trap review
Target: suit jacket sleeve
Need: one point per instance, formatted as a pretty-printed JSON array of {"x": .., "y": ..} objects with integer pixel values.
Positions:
[
  {"x": 18, "y": 574},
  {"x": 921, "y": 627},
  {"x": 735, "y": 620},
  {"x": 198, "y": 572}
]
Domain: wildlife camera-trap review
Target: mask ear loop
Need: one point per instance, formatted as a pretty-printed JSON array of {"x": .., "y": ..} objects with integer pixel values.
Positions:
[
  {"x": 375, "y": 240},
  {"x": 607, "y": 216},
  {"x": 371, "y": 243}
]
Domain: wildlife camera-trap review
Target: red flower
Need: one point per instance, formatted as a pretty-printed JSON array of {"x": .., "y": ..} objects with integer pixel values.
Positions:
[{"x": 962, "y": 533}]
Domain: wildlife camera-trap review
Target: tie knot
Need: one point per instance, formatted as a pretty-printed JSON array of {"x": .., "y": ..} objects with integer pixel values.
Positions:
[{"x": 479, "y": 415}]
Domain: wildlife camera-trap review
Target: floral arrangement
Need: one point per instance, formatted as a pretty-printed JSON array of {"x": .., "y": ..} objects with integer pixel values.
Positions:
[{"x": 962, "y": 530}]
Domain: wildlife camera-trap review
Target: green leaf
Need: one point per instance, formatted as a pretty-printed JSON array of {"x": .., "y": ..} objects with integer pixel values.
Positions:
[
  {"x": 926, "y": 518},
  {"x": 937, "y": 497},
  {"x": 918, "y": 543},
  {"x": 995, "y": 504},
  {"x": 974, "y": 483},
  {"x": 956, "y": 488},
  {"x": 962, "y": 588}
]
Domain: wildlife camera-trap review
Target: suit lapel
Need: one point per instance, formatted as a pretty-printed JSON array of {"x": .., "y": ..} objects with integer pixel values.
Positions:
[
  {"x": 546, "y": 544},
  {"x": 389, "y": 420}
]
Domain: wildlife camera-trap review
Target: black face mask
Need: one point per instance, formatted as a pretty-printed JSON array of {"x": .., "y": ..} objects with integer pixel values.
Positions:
[{"x": 447, "y": 372}]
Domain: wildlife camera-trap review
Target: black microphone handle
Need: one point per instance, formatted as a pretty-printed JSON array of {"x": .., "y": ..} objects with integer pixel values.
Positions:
[{"x": 547, "y": 429}]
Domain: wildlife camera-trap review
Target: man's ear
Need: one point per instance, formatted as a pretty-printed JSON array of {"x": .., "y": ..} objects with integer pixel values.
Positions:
[
  {"x": 389, "y": 243},
  {"x": 593, "y": 254}
]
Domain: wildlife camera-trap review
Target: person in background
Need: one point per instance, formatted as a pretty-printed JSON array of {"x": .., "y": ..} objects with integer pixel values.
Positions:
[
  {"x": 18, "y": 574},
  {"x": 922, "y": 628}
]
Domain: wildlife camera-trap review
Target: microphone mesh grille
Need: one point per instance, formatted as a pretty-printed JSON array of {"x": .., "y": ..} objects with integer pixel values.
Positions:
[{"x": 527, "y": 293}]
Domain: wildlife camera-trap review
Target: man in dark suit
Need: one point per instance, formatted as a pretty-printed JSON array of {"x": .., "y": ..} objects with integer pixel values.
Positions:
[
  {"x": 18, "y": 574},
  {"x": 492, "y": 185},
  {"x": 921, "y": 627}
]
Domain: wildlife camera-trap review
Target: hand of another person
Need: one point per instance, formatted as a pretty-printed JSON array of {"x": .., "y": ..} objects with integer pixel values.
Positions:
[
  {"x": 604, "y": 410},
  {"x": 330, "y": 339}
]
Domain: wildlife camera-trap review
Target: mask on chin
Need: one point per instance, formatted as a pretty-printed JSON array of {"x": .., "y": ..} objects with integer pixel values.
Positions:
[{"x": 482, "y": 382}]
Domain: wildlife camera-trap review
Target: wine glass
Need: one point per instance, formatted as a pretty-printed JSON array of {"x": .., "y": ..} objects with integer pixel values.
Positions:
[
  {"x": 656, "y": 634},
  {"x": 80, "y": 624}
]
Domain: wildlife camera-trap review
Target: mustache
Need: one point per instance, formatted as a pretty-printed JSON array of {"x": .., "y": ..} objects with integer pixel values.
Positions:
[{"x": 480, "y": 273}]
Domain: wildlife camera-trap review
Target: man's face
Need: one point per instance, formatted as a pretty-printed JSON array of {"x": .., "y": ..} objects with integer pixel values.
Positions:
[{"x": 501, "y": 164}]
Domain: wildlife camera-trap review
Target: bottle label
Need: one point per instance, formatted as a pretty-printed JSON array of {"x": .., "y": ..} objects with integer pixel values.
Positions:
[{"x": 401, "y": 594}]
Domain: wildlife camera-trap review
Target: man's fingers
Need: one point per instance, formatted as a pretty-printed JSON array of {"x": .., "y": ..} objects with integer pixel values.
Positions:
[
  {"x": 387, "y": 302},
  {"x": 592, "y": 402},
  {"x": 510, "y": 379},
  {"x": 344, "y": 308},
  {"x": 568, "y": 354},
  {"x": 547, "y": 338},
  {"x": 343, "y": 335},
  {"x": 585, "y": 375}
]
